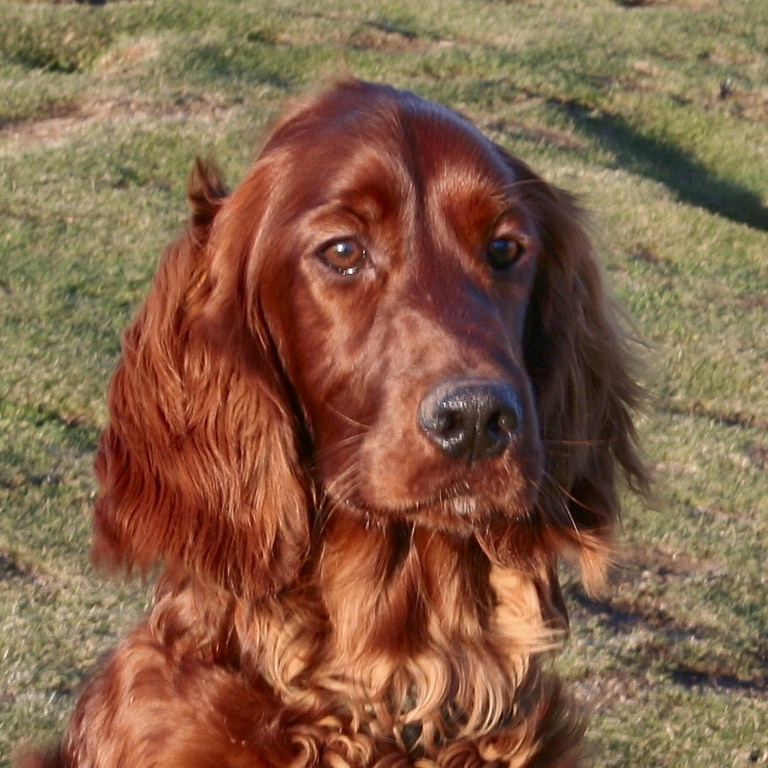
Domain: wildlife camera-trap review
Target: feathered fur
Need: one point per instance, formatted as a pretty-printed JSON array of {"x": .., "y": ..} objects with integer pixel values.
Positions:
[{"x": 335, "y": 590}]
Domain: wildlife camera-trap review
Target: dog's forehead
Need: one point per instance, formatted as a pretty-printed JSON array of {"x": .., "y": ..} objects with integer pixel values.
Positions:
[
  {"x": 358, "y": 119},
  {"x": 451, "y": 150}
]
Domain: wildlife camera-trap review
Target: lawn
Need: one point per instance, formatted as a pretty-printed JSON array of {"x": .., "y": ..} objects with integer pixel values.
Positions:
[{"x": 655, "y": 113}]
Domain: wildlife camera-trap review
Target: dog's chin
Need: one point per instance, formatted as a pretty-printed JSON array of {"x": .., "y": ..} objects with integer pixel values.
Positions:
[{"x": 452, "y": 510}]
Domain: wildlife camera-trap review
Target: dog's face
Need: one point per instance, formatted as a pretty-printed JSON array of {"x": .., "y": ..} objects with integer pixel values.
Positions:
[
  {"x": 388, "y": 310},
  {"x": 395, "y": 283}
]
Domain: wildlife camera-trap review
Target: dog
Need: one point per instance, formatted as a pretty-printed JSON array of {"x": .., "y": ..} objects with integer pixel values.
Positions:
[{"x": 373, "y": 397}]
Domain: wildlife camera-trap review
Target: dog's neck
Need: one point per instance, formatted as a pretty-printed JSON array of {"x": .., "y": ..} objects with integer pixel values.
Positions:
[
  {"x": 394, "y": 587},
  {"x": 410, "y": 629},
  {"x": 424, "y": 629}
]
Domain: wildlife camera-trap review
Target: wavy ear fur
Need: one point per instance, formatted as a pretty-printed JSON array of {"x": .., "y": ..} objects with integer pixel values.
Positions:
[
  {"x": 198, "y": 465},
  {"x": 580, "y": 361}
]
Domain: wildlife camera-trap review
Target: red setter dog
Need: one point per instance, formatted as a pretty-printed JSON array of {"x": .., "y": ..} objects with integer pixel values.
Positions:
[{"x": 373, "y": 396}]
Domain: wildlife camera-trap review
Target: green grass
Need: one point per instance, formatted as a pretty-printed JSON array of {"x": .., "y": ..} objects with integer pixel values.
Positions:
[{"x": 655, "y": 113}]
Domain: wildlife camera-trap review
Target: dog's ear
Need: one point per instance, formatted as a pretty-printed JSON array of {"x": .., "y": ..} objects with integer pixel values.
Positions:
[
  {"x": 198, "y": 466},
  {"x": 581, "y": 363}
]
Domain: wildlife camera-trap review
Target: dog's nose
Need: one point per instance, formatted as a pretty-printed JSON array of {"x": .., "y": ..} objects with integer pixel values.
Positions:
[{"x": 471, "y": 419}]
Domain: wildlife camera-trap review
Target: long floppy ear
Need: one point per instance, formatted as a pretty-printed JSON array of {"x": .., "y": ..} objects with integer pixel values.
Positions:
[
  {"x": 198, "y": 466},
  {"x": 582, "y": 368}
]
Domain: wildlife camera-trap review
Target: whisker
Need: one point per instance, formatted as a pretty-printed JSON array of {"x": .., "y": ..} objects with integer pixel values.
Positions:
[
  {"x": 563, "y": 496},
  {"x": 343, "y": 486},
  {"x": 333, "y": 496},
  {"x": 329, "y": 451},
  {"x": 553, "y": 445},
  {"x": 347, "y": 418}
]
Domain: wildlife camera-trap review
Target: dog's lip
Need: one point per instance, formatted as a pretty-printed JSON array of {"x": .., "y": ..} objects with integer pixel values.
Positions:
[
  {"x": 441, "y": 498},
  {"x": 458, "y": 502}
]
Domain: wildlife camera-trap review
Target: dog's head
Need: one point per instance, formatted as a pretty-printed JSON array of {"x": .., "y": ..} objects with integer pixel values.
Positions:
[{"x": 389, "y": 314}]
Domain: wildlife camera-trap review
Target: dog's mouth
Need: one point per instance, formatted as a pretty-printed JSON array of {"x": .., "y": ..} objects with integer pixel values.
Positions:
[{"x": 454, "y": 506}]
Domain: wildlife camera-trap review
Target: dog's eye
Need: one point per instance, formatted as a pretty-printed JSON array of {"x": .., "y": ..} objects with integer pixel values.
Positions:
[
  {"x": 503, "y": 252},
  {"x": 347, "y": 257}
]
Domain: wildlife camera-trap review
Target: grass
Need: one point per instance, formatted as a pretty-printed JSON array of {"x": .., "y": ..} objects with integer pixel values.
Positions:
[{"x": 654, "y": 111}]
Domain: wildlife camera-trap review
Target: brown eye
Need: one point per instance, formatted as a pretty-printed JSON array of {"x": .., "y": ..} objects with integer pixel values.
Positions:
[
  {"x": 503, "y": 252},
  {"x": 347, "y": 257}
]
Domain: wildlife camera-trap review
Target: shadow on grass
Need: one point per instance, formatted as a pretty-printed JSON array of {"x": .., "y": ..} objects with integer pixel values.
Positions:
[
  {"x": 682, "y": 174},
  {"x": 664, "y": 650}
]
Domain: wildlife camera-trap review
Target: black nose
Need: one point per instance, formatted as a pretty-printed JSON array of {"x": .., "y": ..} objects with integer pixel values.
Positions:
[{"x": 471, "y": 419}]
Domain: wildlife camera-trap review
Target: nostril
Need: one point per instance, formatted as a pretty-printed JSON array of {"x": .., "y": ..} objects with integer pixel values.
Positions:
[
  {"x": 471, "y": 419},
  {"x": 447, "y": 426},
  {"x": 448, "y": 421},
  {"x": 495, "y": 428},
  {"x": 504, "y": 422}
]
